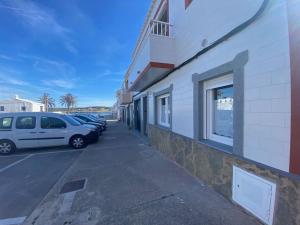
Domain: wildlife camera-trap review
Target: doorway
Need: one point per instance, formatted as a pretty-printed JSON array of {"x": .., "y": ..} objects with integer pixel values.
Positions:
[
  {"x": 145, "y": 116},
  {"x": 137, "y": 115}
]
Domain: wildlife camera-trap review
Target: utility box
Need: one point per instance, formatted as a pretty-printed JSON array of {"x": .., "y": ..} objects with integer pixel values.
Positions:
[{"x": 254, "y": 193}]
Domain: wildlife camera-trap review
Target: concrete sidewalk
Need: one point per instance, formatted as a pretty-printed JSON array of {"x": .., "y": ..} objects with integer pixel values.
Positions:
[{"x": 128, "y": 182}]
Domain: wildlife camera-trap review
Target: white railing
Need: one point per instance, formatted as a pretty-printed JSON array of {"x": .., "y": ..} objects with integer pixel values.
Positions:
[
  {"x": 125, "y": 96},
  {"x": 155, "y": 27},
  {"x": 160, "y": 28}
]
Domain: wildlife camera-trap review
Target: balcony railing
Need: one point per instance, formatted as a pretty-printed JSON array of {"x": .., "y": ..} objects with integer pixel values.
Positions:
[
  {"x": 125, "y": 96},
  {"x": 155, "y": 27},
  {"x": 153, "y": 56},
  {"x": 160, "y": 28}
]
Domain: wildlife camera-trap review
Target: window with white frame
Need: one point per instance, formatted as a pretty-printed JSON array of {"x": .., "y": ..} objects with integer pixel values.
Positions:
[
  {"x": 164, "y": 110},
  {"x": 218, "y": 110}
]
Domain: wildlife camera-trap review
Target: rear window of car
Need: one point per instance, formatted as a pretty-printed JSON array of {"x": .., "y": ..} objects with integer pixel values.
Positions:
[
  {"x": 26, "y": 122},
  {"x": 6, "y": 123}
]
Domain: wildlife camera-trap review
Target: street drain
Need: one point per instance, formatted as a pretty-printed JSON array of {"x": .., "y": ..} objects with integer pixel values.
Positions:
[{"x": 72, "y": 186}]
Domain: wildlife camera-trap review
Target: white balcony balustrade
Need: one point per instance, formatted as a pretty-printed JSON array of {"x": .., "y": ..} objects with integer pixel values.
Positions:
[
  {"x": 160, "y": 28},
  {"x": 153, "y": 56},
  {"x": 124, "y": 96}
]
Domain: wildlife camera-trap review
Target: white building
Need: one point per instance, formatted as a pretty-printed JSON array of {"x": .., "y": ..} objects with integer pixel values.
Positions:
[
  {"x": 215, "y": 87},
  {"x": 20, "y": 105}
]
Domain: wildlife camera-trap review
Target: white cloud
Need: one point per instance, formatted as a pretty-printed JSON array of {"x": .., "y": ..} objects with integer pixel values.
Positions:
[
  {"x": 66, "y": 84},
  {"x": 51, "y": 67},
  {"x": 109, "y": 73},
  {"x": 9, "y": 77},
  {"x": 9, "y": 92},
  {"x": 40, "y": 20},
  {"x": 6, "y": 57}
]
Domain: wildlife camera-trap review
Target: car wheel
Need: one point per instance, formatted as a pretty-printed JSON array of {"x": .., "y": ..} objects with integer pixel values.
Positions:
[
  {"x": 78, "y": 142},
  {"x": 7, "y": 147}
]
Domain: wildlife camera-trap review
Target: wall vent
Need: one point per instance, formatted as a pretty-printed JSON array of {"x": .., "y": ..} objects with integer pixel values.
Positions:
[{"x": 254, "y": 193}]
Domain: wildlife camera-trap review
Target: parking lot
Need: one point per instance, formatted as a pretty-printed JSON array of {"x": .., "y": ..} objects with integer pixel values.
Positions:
[
  {"x": 27, "y": 176},
  {"x": 125, "y": 181}
]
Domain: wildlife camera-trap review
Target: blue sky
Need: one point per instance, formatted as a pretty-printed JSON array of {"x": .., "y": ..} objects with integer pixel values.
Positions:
[{"x": 81, "y": 47}]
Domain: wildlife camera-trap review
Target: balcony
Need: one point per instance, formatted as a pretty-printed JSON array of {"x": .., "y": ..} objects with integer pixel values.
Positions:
[
  {"x": 153, "y": 56},
  {"x": 124, "y": 96}
]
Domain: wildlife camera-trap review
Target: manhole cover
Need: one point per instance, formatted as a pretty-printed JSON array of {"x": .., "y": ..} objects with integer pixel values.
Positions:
[{"x": 73, "y": 186}]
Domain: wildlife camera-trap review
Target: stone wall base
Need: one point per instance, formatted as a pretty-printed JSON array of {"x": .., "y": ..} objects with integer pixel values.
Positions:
[{"x": 215, "y": 167}]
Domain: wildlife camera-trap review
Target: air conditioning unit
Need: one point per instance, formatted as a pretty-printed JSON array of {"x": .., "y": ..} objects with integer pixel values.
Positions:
[{"x": 254, "y": 193}]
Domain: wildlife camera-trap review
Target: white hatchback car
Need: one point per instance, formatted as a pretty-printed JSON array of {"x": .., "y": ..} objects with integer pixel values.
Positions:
[{"x": 38, "y": 129}]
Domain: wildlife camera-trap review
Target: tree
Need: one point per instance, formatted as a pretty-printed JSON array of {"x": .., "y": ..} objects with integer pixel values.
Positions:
[
  {"x": 48, "y": 101},
  {"x": 68, "y": 100}
]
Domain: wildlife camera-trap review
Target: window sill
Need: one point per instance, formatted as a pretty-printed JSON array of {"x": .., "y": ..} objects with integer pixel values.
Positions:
[{"x": 216, "y": 145}]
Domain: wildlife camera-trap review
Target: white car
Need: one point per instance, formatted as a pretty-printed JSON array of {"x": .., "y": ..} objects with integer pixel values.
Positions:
[{"x": 38, "y": 129}]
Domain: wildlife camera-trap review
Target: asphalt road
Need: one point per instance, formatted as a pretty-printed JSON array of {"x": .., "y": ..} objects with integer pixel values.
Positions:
[{"x": 26, "y": 177}]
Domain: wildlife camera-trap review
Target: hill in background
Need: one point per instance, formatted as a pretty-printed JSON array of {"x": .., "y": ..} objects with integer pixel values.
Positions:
[{"x": 83, "y": 109}]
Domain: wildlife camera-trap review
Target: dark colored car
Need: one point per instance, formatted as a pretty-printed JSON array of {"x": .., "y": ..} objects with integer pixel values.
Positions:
[
  {"x": 99, "y": 127},
  {"x": 88, "y": 119},
  {"x": 92, "y": 137},
  {"x": 97, "y": 119}
]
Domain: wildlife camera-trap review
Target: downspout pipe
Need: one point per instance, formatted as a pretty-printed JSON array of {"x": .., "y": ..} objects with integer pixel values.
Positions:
[{"x": 219, "y": 41}]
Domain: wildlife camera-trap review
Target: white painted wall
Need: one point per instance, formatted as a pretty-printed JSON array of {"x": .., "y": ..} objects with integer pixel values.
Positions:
[
  {"x": 267, "y": 74},
  {"x": 16, "y": 105}
]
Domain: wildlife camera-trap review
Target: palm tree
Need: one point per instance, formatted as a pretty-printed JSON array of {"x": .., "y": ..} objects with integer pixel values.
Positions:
[
  {"x": 68, "y": 100},
  {"x": 48, "y": 101}
]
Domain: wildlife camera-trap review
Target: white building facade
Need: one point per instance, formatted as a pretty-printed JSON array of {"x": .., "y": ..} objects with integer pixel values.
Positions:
[
  {"x": 20, "y": 105},
  {"x": 214, "y": 87}
]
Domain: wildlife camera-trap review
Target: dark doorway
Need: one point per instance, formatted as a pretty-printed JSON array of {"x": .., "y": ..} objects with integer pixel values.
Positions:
[
  {"x": 123, "y": 115},
  {"x": 128, "y": 116},
  {"x": 145, "y": 116},
  {"x": 137, "y": 115}
]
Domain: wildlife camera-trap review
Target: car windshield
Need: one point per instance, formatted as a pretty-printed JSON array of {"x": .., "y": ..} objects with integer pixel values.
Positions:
[
  {"x": 87, "y": 118},
  {"x": 78, "y": 119},
  {"x": 92, "y": 117},
  {"x": 71, "y": 120}
]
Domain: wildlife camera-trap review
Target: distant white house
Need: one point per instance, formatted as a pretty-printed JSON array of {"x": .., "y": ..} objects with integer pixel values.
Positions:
[{"x": 20, "y": 105}]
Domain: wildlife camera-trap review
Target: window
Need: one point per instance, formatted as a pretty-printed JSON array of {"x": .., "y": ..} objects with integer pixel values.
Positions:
[
  {"x": 187, "y": 3},
  {"x": 6, "y": 123},
  {"x": 41, "y": 109},
  {"x": 52, "y": 123},
  {"x": 23, "y": 108},
  {"x": 218, "y": 110},
  {"x": 164, "y": 110},
  {"x": 26, "y": 122},
  {"x": 1, "y": 108}
]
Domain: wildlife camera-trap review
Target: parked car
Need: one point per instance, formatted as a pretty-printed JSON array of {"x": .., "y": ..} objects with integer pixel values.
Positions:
[
  {"x": 98, "y": 126},
  {"x": 87, "y": 118},
  {"x": 98, "y": 118},
  {"x": 38, "y": 129}
]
